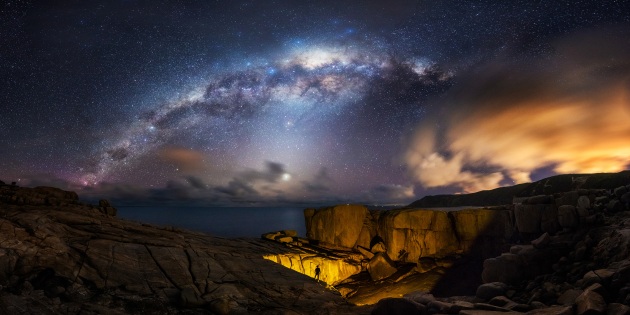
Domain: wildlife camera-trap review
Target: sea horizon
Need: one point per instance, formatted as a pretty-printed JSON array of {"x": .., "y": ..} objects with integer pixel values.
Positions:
[{"x": 249, "y": 221}]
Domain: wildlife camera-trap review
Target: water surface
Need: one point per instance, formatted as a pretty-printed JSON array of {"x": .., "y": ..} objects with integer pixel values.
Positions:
[{"x": 225, "y": 222}]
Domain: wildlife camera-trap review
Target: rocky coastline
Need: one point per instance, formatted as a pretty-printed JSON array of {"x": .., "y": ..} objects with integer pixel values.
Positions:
[
  {"x": 552, "y": 251},
  {"x": 61, "y": 256}
]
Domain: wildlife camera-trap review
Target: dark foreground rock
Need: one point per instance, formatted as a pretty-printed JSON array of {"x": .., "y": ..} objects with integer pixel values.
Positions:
[{"x": 58, "y": 256}]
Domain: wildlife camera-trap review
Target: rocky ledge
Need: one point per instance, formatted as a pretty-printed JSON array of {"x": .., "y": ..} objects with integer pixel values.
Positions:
[{"x": 60, "y": 256}]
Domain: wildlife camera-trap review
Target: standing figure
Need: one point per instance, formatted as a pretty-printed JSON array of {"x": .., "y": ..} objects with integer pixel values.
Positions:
[{"x": 317, "y": 271}]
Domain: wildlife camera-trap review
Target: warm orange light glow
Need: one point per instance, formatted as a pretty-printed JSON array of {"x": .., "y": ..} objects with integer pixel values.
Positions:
[
  {"x": 575, "y": 135},
  {"x": 333, "y": 270},
  {"x": 505, "y": 119}
]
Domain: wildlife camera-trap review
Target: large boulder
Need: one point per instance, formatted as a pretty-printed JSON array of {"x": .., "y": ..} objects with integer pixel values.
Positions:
[
  {"x": 523, "y": 262},
  {"x": 531, "y": 220},
  {"x": 339, "y": 225},
  {"x": 625, "y": 200},
  {"x": 487, "y": 291},
  {"x": 590, "y": 303},
  {"x": 369, "y": 229},
  {"x": 568, "y": 217},
  {"x": 380, "y": 267},
  {"x": 484, "y": 230},
  {"x": 620, "y": 191},
  {"x": 567, "y": 199},
  {"x": 413, "y": 233},
  {"x": 584, "y": 203},
  {"x": 505, "y": 268},
  {"x": 106, "y": 207}
]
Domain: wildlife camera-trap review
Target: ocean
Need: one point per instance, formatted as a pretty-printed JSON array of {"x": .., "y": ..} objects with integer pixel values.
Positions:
[{"x": 224, "y": 222}]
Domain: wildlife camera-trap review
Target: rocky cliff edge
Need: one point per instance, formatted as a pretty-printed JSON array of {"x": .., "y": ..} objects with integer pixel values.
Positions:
[{"x": 60, "y": 256}]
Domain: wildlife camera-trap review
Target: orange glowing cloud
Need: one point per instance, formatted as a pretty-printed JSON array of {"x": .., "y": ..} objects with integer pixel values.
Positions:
[{"x": 573, "y": 116}]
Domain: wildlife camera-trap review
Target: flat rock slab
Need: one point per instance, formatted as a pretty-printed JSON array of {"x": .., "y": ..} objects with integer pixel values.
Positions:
[{"x": 97, "y": 263}]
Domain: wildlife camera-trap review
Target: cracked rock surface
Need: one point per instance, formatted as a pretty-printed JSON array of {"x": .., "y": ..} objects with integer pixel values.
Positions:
[{"x": 59, "y": 256}]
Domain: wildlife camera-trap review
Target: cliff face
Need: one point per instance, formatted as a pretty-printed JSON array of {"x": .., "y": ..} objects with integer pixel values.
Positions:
[
  {"x": 340, "y": 225},
  {"x": 58, "y": 256},
  {"x": 409, "y": 234},
  {"x": 413, "y": 233},
  {"x": 543, "y": 247}
]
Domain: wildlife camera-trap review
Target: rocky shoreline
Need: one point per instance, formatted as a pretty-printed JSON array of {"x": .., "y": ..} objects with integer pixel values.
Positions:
[
  {"x": 60, "y": 256},
  {"x": 559, "y": 253}
]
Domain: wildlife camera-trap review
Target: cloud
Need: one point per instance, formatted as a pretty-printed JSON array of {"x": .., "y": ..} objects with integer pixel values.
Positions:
[
  {"x": 237, "y": 187},
  {"x": 506, "y": 120},
  {"x": 185, "y": 159},
  {"x": 320, "y": 183},
  {"x": 389, "y": 193},
  {"x": 243, "y": 184}
]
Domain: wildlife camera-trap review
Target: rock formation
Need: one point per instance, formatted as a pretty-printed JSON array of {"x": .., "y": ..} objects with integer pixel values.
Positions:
[
  {"x": 415, "y": 233},
  {"x": 537, "y": 234},
  {"x": 546, "y": 253},
  {"x": 59, "y": 256},
  {"x": 409, "y": 234},
  {"x": 340, "y": 225}
]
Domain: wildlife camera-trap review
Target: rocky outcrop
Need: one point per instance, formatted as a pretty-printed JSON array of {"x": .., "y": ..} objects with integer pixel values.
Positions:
[
  {"x": 483, "y": 232},
  {"x": 409, "y": 234},
  {"x": 369, "y": 229},
  {"x": 340, "y": 225},
  {"x": 106, "y": 208},
  {"x": 335, "y": 265},
  {"x": 284, "y": 236},
  {"x": 38, "y": 196},
  {"x": 75, "y": 259},
  {"x": 413, "y": 233},
  {"x": 380, "y": 267}
]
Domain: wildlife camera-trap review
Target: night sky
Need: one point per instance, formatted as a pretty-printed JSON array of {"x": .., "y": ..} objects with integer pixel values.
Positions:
[{"x": 309, "y": 102}]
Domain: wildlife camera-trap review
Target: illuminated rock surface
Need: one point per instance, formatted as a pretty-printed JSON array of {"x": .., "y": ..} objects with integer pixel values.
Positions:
[
  {"x": 417, "y": 232},
  {"x": 334, "y": 266},
  {"x": 340, "y": 225},
  {"x": 380, "y": 267}
]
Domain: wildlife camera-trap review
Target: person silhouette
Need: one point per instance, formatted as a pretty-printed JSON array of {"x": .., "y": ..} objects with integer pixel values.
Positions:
[{"x": 317, "y": 271}]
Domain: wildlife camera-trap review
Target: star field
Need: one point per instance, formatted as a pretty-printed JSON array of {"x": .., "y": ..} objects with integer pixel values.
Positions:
[{"x": 287, "y": 102}]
